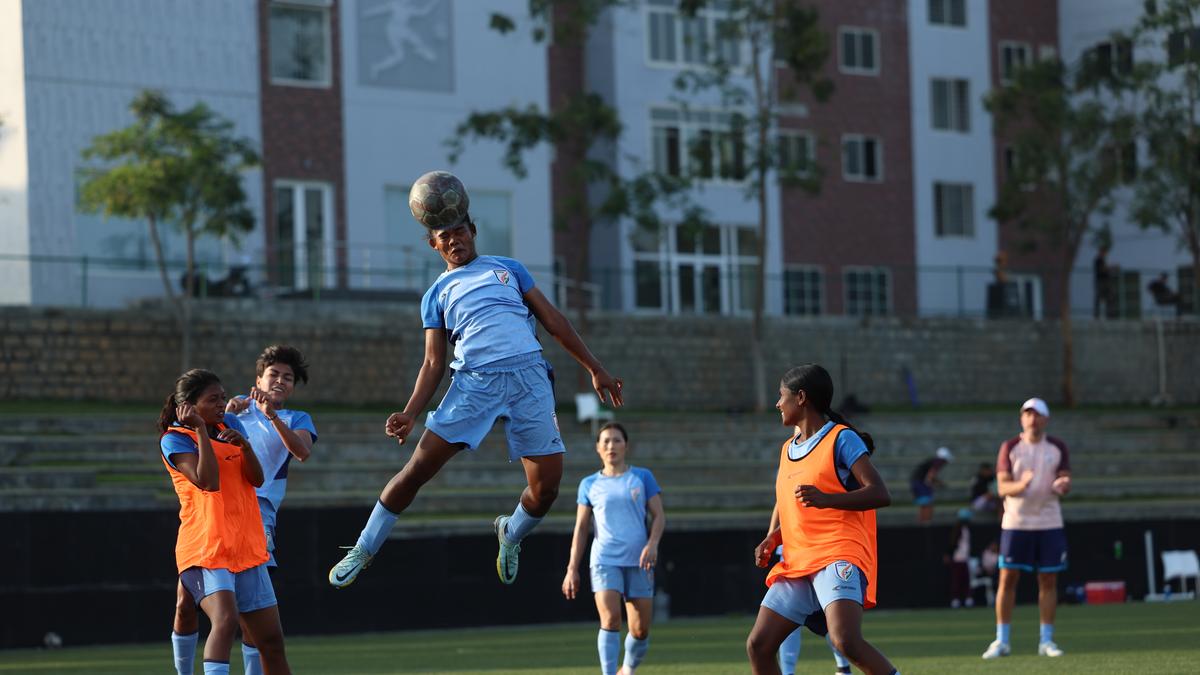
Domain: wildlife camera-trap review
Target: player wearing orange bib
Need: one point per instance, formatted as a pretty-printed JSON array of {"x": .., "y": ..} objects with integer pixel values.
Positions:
[
  {"x": 221, "y": 549},
  {"x": 826, "y": 493}
]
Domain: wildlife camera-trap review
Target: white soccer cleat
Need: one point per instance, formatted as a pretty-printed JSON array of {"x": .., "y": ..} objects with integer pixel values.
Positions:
[
  {"x": 345, "y": 572},
  {"x": 506, "y": 560},
  {"x": 1048, "y": 648},
  {"x": 997, "y": 649}
]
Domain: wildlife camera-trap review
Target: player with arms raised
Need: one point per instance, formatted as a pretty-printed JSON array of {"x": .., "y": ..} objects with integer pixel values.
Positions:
[{"x": 483, "y": 307}]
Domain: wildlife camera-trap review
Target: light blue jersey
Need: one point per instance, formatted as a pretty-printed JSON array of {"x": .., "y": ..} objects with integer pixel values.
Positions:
[
  {"x": 172, "y": 444},
  {"x": 848, "y": 450},
  {"x": 481, "y": 306},
  {"x": 272, "y": 454},
  {"x": 619, "y": 506}
]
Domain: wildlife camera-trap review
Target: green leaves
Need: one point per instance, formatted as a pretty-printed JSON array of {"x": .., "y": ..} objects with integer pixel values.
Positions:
[{"x": 178, "y": 166}]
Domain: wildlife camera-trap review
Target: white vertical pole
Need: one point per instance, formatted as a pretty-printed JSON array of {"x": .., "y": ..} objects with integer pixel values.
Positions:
[{"x": 1150, "y": 563}]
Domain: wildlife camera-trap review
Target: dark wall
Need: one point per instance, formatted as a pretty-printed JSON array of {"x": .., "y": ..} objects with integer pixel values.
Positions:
[{"x": 110, "y": 577}]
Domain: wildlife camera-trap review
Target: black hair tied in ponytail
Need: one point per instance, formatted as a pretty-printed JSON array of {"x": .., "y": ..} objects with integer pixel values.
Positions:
[
  {"x": 816, "y": 382},
  {"x": 188, "y": 388}
]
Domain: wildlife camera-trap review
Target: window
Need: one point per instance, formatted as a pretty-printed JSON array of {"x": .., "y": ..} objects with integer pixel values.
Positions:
[
  {"x": 1013, "y": 56},
  {"x": 1110, "y": 59},
  {"x": 299, "y": 36},
  {"x": 802, "y": 291},
  {"x": 796, "y": 153},
  {"x": 304, "y": 235},
  {"x": 868, "y": 291},
  {"x": 951, "y": 105},
  {"x": 689, "y": 40},
  {"x": 858, "y": 51},
  {"x": 954, "y": 209},
  {"x": 1047, "y": 52},
  {"x": 1182, "y": 45},
  {"x": 862, "y": 158},
  {"x": 702, "y": 143},
  {"x": 948, "y": 13},
  {"x": 689, "y": 270}
]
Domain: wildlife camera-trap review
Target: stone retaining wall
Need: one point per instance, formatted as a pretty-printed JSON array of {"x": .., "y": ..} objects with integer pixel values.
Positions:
[{"x": 370, "y": 352}]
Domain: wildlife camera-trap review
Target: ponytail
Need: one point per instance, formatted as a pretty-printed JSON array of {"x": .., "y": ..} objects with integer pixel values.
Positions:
[
  {"x": 816, "y": 382},
  {"x": 188, "y": 388}
]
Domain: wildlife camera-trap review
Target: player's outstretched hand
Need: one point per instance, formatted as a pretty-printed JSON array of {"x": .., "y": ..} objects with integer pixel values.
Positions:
[
  {"x": 809, "y": 495},
  {"x": 237, "y": 404},
  {"x": 570, "y": 584},
  {"x": 399, "y": 426},
  {"x": 762, "y": 552},
  {"x": 604, "y": 384}
]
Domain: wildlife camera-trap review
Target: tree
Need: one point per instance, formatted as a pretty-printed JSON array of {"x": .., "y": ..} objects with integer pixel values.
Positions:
[
  {"x": 775, "y": 32},
  {"x": 577, "y": 123},
  {"x": 1064, "y": 132},
  {"x": 181, "y": 168},
  {"x": 1167, "y": 93}
]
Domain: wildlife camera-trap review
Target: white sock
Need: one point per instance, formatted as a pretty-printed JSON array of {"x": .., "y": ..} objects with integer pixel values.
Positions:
[{"x": 184, "y": 648}]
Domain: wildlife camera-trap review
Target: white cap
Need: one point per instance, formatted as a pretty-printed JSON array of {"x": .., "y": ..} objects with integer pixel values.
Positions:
[
  {"x": 944, "y": 453},
  {"x": 1037, "y": 405}
]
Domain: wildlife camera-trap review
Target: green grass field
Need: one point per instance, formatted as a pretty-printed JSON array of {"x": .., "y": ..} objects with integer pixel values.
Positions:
[{"x": 1132, "y": 638}]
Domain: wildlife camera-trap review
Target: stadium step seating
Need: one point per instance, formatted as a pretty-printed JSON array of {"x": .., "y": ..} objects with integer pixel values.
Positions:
[{"x": 717, "y": 470}]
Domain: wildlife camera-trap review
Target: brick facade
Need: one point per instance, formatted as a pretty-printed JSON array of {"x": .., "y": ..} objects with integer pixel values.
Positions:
[{"x": 302, "y": 135}]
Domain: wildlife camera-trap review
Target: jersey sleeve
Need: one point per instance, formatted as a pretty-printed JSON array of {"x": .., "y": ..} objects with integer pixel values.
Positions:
[
  {"x": 585, "y": 486},
  {"x": 849, "y": 449},
  {"x": 302, "y": 421},
  {"x": 174, "y": 444},
  {"x": 648, "y": 480},
  {"x": 519, "y": 271},
  {"x": 431, "y": 312},
  {"x": 1064, "y": 462},
  {"x": 1003, "y": 461},
  {"x": 234, "y": 423}
]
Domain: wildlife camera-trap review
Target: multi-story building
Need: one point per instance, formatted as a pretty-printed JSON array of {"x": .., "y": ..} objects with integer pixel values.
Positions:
[{"x": 348, "y": 100}]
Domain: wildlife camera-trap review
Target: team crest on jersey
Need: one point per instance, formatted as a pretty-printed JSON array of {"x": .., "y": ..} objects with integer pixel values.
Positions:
[
  {"x": 844, "y": 570},
  {"x": 636, "y": 493},
  {"x": 502, "y": 275}
]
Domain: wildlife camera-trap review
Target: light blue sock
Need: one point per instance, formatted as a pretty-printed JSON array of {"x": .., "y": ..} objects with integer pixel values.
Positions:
[
  {"x": 519, "y": 525},
  {"x": 216, "y": 668},
  {"x": 635, "y": 650},
  {"x": 789, "y": 652},
  {"x": 843, "y": 664},
  {"x": 1046, "y": 632},
  {"x": 184, "y": 648},
  {"x": 1002, "y": 630},
  {"x": 251, "y": 664},
  {"x": 608, "y": 643},
  {"x": 379, "y": 525}
]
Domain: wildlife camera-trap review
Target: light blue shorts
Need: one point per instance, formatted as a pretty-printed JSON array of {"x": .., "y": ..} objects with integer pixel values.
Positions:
[
  {"x": 516, "y": 390},
  {"x": 630, "y": 582},
  {"x": 252, "y": 588},
  {"x": 796, "y": 599}
]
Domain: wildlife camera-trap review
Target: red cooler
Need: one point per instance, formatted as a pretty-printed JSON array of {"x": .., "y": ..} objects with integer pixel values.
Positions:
[{"x": 1101, "y": 592}]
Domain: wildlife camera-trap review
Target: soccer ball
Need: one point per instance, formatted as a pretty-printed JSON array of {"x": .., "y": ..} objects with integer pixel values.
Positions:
[{"x": 438, "y": 200}]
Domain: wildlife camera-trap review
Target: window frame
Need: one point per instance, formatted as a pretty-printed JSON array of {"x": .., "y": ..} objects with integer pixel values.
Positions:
[
  {"x": 1002, "y": 46},
  {"x": 784, "y": 135},
  {"x": 862, "y": 178},
  {"x": 690, "y": 124},
  {"x": 859, "y": 32},
  {"x": 957, "y": 124},
  {"x": 711, "y": 18},
  {"x": 947, "y": 13},
  {"x": 967, "y": 228},
  {"x": 325, "y": 7},
  {"x": 819, "y": 296},
  {"x": 888, "y": 301}
]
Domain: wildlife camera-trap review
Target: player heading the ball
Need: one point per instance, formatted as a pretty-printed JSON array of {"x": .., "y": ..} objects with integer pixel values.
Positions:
[{"x": 480, "y": 314}]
